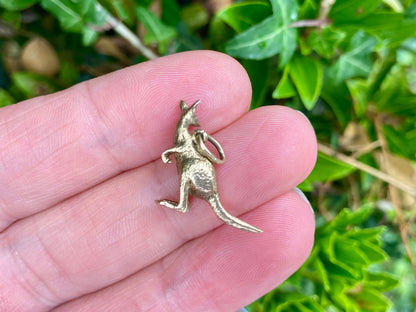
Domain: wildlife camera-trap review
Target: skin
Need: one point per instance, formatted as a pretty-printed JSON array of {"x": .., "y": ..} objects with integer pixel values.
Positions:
[{"x": 80, "y": 170}]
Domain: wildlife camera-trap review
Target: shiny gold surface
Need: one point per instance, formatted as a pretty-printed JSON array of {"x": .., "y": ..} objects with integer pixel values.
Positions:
[{"x": 196, "y": 170}]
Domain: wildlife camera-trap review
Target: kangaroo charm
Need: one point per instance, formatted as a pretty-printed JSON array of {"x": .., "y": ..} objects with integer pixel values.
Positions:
[{"x": 196, "y": 170}]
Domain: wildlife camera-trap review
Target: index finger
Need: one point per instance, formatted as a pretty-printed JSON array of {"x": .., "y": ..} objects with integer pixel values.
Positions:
[{"x": 59, "y": 145}]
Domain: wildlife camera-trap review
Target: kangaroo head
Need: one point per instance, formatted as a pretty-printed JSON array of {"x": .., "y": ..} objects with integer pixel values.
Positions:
[{"x": 188, "y": 116}]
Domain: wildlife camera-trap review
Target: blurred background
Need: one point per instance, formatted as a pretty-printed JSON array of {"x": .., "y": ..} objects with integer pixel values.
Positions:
[{"x": 348, "y": 65}]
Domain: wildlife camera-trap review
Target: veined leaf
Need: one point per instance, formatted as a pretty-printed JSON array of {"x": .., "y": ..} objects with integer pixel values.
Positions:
[
  {"x": 241, "y": 16},
  {"x": 270, "y": 37},
  {"x": 355, "y": 62},
  {"x": 306, "y": 74},
  {"x": 77, "y": 16}
]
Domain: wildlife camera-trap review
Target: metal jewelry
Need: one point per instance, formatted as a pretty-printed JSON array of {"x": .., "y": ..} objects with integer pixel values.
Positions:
[{"x": 196, "y": 170}]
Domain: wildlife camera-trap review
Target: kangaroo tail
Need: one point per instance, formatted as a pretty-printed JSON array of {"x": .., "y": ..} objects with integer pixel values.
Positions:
[{"x": 219, "y": 210}]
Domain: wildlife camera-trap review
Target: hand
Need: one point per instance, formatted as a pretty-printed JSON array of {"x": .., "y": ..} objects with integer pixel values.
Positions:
[{"x": 80, "y": 171}]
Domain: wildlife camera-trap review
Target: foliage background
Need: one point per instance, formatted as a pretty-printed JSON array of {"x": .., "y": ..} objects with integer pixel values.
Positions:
[{"x": 349, "y": 65}]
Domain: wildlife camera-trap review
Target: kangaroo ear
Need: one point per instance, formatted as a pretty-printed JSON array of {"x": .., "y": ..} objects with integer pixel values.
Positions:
[
  {"x": 195, "y": 104},
  {"x": 183, "y": 106}
]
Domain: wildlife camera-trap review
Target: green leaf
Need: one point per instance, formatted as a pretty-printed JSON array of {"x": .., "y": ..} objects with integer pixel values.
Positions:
[
  {"x": 309, "y": 9},
  {"x": 356, "y": 61},
  {"x": 270, "y": 37},
  {"x": 258, "y": 73},
  {"x": 77, "y": 16},
  {"x": 411, "y": 11},
  {"x": 371, "y": 235},
  {"x": 241, "y": 16},
  {"x": 370, "y": 300},
  {"x": 306, "y": 74},
  {"x": 5, "y": 98},
  {"x": 89, "y": 36},
  {"x": 32, "y": 85},
  {"x": 323, "y": 274},
  {"x": 346, "y": 218},
  {"x": 352, "y": 10},
  {"x": 122, "y": 10},
  {"x": 157, "y": 31},
  {"x": 285, "y": 88},
  {"x": 373, "y": 252},
  {"x": 325, "y": 40},
  {"x": 326, "y": 169},
  {"x": 171, "y": 14},
  {"x": 219, "y": 32},
  {"x": 359, "y": 92},
  {"x": 338, "y": 98},
  {"x": 195, "y": 15},
  {"x": 381, "y": 280},
  {"x": 17, "y": 5},
  {"x": 348, "y": 251}
]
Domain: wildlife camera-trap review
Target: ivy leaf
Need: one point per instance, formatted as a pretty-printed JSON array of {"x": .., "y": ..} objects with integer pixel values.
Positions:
[
  {"x": 16, "y": 5},
  {"x": 306, "y": 74},
  {"x": 325, "y": 41},
  {"x": 77, "y": 16},
  {"x": 157, "y": 31},
  {"x": 356, "y": 61},
  {"x": 242, "y": 16},
  {"x": 272, "y": 36}
]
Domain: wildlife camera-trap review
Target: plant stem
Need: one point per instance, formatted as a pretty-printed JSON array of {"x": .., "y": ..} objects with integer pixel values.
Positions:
[
  {"x": 310, "y": 23},
  {"x": 366, "y": 168},
  {"x": 127, "y": 34}
]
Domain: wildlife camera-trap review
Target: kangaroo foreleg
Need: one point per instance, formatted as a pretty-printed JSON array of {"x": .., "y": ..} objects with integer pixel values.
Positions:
[
  {"x": 166, "y": 155},
  {"x": 219, "y": 210}
]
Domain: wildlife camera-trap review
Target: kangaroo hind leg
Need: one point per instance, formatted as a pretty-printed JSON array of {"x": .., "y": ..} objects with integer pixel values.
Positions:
[
  {"x": 219, "y": 210},
  {"x": 183, "y": 205}
]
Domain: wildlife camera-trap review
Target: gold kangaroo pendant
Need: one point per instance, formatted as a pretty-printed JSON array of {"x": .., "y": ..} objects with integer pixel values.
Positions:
[{"x": 196, "y": 170}]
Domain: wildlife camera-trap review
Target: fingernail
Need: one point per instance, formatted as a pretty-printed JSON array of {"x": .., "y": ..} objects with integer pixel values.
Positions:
[{"x": 300, "y": 193}]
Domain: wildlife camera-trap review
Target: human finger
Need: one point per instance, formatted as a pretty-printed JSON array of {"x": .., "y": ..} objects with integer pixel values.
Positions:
[
  {"x": 218, "y": 271},
  {"x": 55, "y": 146}
]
